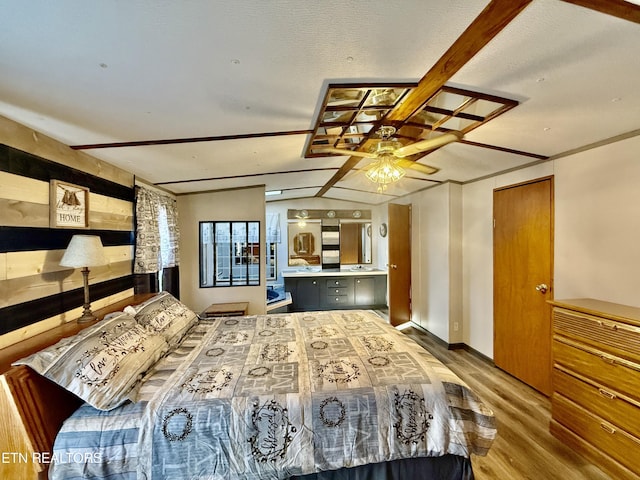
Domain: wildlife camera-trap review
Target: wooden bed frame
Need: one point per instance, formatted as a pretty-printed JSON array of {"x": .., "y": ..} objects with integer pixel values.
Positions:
[{"x": 32, "y": 408}]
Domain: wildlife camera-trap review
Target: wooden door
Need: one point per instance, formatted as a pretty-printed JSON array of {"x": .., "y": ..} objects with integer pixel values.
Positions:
[
  {"x": 350, "y": 244},
  {"x": 399, "y": 231},
  {"x": 523, "y": 281}
]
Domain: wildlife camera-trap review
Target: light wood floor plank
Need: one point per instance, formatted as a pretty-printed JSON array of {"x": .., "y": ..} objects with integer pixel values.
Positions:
[{"x": 524, "y": 448}]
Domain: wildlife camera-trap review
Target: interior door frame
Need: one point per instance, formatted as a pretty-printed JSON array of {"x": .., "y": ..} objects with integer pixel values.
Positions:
[
  {"x": 550, "y": 291},
  {"x": 399, "y": 264}
]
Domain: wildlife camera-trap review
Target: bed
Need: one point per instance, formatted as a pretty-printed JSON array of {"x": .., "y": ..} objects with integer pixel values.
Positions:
[{"x": 309, "y": 395}]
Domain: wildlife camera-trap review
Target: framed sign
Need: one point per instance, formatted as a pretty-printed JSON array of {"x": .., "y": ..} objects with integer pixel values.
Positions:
[{"x": 68, "y": 205}]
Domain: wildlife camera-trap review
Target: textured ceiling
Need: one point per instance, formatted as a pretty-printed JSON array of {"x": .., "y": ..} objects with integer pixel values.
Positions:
[{"x": 103, "y": 72}]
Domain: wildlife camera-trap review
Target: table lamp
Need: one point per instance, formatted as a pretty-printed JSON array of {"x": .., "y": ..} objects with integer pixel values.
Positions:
[{"x": 84, "y": 251}]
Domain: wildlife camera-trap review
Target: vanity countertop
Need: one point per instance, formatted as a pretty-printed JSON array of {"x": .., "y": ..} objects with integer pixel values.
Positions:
[{"x": 317, "y": 272}]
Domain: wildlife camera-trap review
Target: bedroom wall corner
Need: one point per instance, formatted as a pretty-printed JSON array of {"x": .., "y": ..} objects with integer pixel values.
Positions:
[
  {"x": 597, "y": 224},
  {"x": 232, "y": 205},
  {"x": 456, "y": 323},
  {"x": 477, "y": 256},
  {"x": 430, "y": 259},
  {"x": 477, "y": 265}
]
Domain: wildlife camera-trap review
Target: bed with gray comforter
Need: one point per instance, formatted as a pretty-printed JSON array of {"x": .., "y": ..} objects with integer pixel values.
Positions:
[{"x": 280, "y": 396}]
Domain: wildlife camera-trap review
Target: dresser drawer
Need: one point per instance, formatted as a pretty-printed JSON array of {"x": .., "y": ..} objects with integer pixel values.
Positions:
[
  {"x": 604, "y": 436},
  {"x": 604, "y": 368},
  {"x": 337, "y": 291},
  {"x": 612, "y": 336},
  {"x": 339, "y": 282},
  {"x": 602, "y": 401},
  {"x": 338, "y": 299}
]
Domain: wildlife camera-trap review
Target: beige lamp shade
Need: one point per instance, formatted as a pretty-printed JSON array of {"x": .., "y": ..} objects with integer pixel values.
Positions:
[{"x": 84, "y": 251}]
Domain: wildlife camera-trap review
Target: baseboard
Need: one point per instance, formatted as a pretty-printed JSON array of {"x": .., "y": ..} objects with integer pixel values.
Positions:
[
  {"x": 453, "y": 346},
  {"x": 478, "y": 354},
  {"x": 433, "y": 337}
]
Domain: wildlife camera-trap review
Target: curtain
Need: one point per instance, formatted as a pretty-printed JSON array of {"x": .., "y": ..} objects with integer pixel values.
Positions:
[
  {"x": 157, "y": 239},
  {"x": 147, "y": 232},
  {"x": 169, "y": 233},
  {"x": 273, "y": 228}
]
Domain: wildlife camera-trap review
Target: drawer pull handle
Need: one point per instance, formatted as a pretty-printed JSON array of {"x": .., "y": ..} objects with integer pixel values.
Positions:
[
  {"x": 609, "y": 360},
  {"x": 337, "y": 291},
  {"x": 611, "y": 326},
  {"x": 609, "y": 395},
  {"x": 608, "y": 428},
  {"x": 337, "y": 299},
  {"x": 337, "y": 282}
]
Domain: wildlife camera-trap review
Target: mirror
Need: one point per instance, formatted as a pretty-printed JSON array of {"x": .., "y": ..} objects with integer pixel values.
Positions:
[
  {"x": 329, "y": 238},
  {"x": 355, "y": 242},
  {"x": 304, "y": 240},
  {"x": 304, "y": 243}
]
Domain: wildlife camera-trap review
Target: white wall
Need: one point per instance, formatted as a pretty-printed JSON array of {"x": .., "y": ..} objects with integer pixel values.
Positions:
[
  {"x": 436, "y": 263},
  {"x": 244, "y": 204},
  {"x": 477, "y": 254},
  {"x": 477, "y": 265},
  {"x": 597, "y": 218},
  {"x": 597, "y": 228},
  {"x": 456, "y": 327}
]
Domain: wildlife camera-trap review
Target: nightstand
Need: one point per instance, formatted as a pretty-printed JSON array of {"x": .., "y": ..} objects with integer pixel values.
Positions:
[{"x": 235, "y": 309}]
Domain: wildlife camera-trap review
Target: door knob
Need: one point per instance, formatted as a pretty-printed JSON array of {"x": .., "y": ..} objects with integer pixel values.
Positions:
[
  {"x": 542, "y": 288},
  {"x": 394, "y": 266}
]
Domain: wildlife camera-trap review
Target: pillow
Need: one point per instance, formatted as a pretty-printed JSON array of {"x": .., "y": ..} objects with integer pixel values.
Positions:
[
  {"x": 166, "y": 315},
  {"x": 103, "y": 364}
]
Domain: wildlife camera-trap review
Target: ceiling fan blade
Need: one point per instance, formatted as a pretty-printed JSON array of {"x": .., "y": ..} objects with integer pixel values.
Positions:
[
  {"x": 418, "y": 167},
  {"x": 429, "y": 144},
  {"x": 350, "y": 153}
]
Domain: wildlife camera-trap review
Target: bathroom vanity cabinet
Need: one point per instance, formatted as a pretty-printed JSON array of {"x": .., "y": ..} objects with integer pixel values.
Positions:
[{"x": 336, "y": 290}]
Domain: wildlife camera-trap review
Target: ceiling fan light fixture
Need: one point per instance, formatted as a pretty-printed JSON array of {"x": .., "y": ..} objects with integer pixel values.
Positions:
[
  {"x": 386, "y": 147},
  {"x": 384, "y": 171}
]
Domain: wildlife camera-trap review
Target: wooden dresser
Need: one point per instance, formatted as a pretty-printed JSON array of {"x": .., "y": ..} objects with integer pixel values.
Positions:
[{"x": 596, "y": 401}]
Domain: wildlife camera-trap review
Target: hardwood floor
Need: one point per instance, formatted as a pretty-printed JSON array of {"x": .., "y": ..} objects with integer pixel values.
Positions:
[{"x": 524, "y": 448}]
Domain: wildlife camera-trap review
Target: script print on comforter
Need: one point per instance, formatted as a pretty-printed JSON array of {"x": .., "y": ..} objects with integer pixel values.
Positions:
[{"x": 276, "y": 396}]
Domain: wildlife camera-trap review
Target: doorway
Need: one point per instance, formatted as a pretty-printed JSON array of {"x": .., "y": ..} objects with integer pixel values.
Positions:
[
  {"x": 399, "y": 264},
  {"x": 523, "y": 281}
]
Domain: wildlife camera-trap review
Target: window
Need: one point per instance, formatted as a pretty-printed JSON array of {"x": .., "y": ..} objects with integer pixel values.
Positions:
[
  {"x": 229, "y": 254},
  {"x": 271, "y": 261},
  {"x": 272, "y": 241},
  {"x": 165, "y": 249}
]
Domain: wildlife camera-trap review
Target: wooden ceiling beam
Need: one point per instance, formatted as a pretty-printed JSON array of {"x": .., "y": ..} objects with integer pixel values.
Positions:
[
  {"x": 171, "y": 141},
  {"x": 344, "y": 169},
  {"x": 617, "y": 8},
  {"x": 491, "y": 21}
]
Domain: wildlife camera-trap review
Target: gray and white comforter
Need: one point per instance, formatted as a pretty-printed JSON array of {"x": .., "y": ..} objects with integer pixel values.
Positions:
[{"x": 271, "y": 396}]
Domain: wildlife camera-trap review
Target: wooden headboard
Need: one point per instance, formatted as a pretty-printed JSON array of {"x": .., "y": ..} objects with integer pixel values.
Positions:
[{"x": 32, "y": 408}]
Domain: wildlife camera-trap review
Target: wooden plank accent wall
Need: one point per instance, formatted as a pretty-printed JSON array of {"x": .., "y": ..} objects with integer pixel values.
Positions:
[{"x": 36, "y": 293}]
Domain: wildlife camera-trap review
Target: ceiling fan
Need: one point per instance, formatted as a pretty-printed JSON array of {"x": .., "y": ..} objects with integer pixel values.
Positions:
[{"x": 391, "y": 155}]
